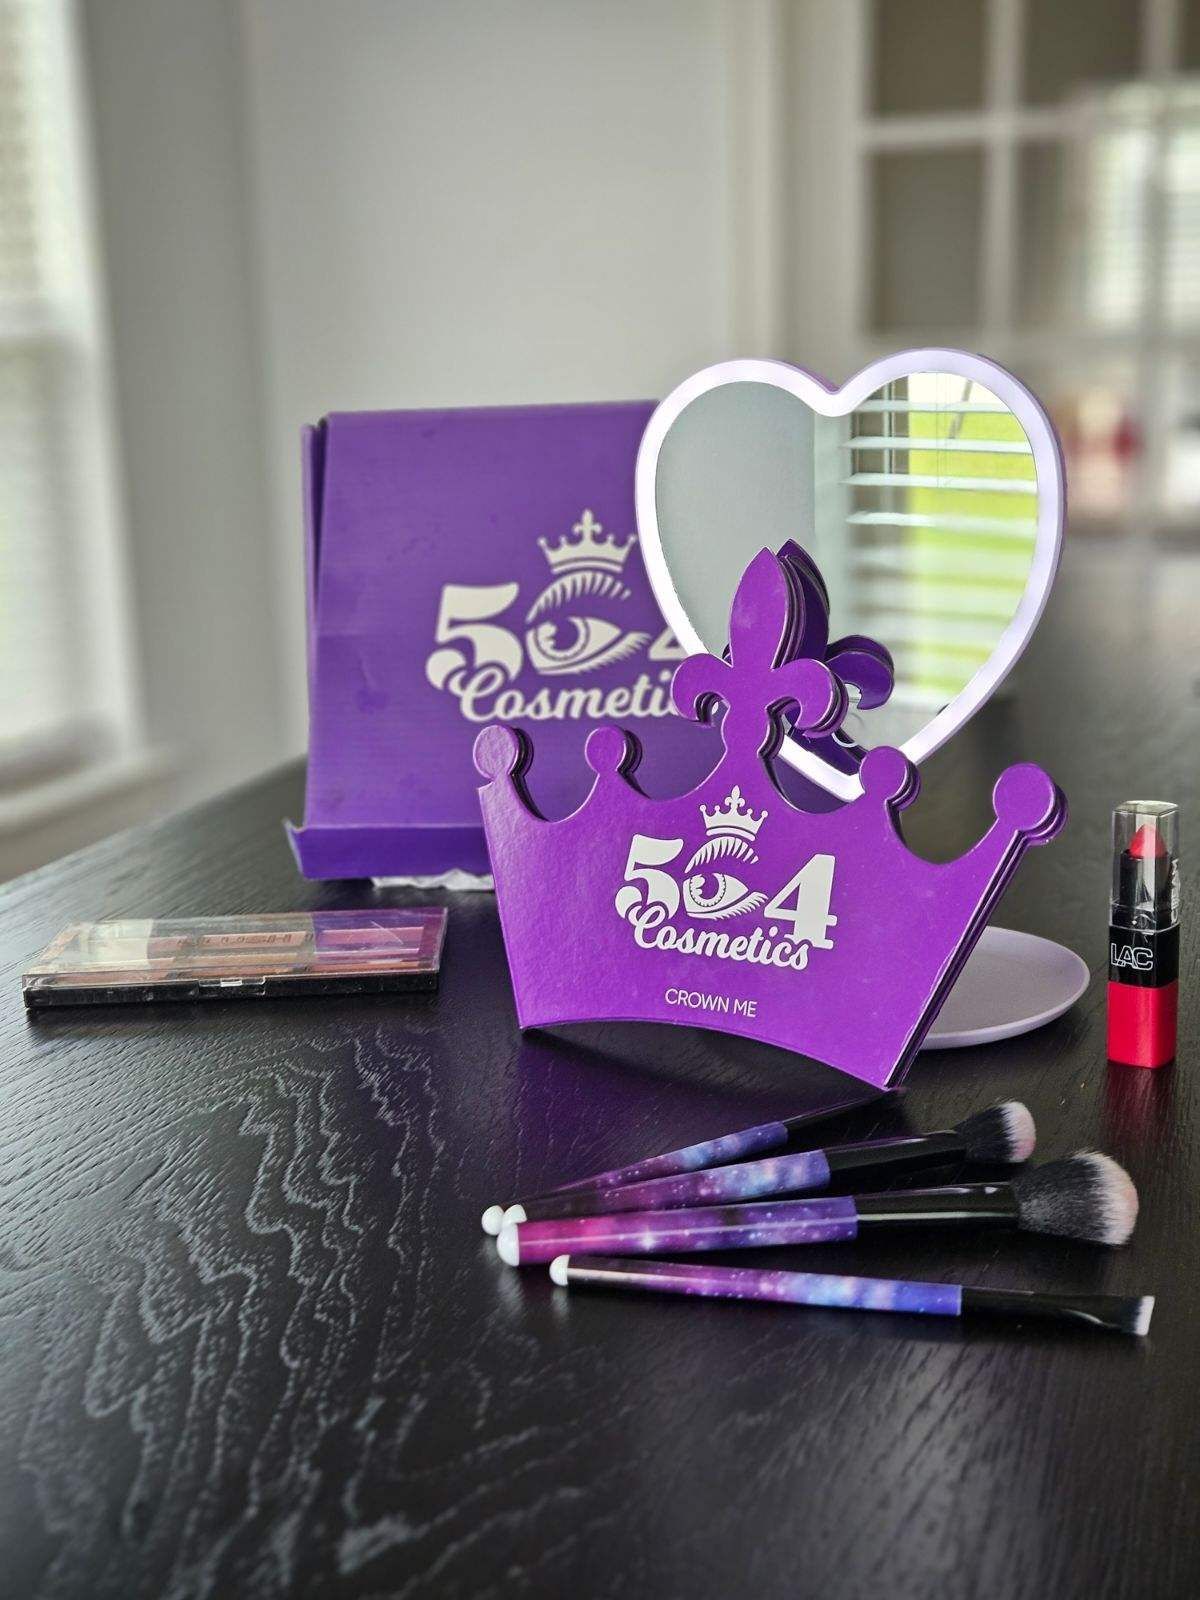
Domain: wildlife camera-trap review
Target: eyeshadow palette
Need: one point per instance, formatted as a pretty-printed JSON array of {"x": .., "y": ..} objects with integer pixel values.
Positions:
[{"x": 239, "y": 958}]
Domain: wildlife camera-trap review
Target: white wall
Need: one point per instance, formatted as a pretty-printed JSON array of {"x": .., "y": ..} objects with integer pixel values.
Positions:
[
  {"x": 463, "y": 203},
  {"x": 164, "y": 80},
  {"x": 821, "y": 225}
]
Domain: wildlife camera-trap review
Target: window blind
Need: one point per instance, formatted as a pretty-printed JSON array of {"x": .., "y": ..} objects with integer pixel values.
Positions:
[
  {"x": 941, "y": 517},
  {"x": 41, "y": 718}
]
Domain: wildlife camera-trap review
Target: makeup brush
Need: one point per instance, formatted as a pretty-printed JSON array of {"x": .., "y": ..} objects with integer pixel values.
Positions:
[
  {"x": 690, "y": 1157},
  {"x": 1118, "y": 1313},
  {"x": 1087, "y": 1196},
  {"x": 1003, "y": 1133}
]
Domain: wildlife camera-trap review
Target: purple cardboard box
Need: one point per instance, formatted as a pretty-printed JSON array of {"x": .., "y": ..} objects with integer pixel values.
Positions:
[{"x": 464, "y": 568}]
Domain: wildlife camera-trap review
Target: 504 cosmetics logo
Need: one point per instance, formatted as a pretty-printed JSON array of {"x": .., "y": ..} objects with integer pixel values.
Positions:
[
  {"x": 578, "y": 622},
  {"x": 662, "y": 885}
]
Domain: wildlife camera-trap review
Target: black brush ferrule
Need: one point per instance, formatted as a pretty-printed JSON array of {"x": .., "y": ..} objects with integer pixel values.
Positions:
[
  {"x": 1112, "y": 1311},
  {"x": 986, "y": 1203},
  {"x": 896, "y": 1155}
]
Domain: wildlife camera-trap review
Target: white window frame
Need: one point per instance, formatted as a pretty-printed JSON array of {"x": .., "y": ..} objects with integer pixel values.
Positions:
[{"x": 68, "y": 323}]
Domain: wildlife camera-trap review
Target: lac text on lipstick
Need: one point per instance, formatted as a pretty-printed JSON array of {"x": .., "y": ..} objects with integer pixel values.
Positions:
[{"x": 1143, "y": 934}]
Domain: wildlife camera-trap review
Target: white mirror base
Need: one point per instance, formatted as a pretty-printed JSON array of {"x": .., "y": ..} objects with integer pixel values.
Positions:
[{"x": 1012, "y": 983}]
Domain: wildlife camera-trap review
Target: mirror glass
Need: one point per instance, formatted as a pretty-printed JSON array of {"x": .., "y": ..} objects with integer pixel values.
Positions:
[{"x": 919, "y": 508}]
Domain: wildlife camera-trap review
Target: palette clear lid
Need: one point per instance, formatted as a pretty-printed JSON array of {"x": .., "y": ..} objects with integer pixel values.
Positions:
[{"x": 239, "y": 957}]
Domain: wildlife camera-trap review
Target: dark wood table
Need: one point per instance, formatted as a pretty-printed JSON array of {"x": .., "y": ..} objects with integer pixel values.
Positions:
[{"x": 252, "y": 1341}]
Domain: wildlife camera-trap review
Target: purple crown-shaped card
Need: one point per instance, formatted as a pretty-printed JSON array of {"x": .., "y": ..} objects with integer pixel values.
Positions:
[{"x": 729, "y": 906}]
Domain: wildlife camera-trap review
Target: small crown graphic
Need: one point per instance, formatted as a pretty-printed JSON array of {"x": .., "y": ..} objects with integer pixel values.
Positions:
[
  {"x": 733, "y": 816},
  {"x": 587, "y": 545},
  {"x": 846, "y": 944}
]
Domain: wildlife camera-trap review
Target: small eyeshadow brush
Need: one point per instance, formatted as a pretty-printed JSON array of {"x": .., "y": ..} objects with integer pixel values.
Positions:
[
  {"x": 754, "y": 1141},
  {"x": 1087, "y": 1196},
  {"x": 1003, "y": 1133},
  {"x": 1117, "y": 1313}
]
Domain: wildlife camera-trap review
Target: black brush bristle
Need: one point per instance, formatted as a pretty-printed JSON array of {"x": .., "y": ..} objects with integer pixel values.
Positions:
[
  {"x": 1087, "y": 1196},
  {"x": 1001, "y": 1133}
]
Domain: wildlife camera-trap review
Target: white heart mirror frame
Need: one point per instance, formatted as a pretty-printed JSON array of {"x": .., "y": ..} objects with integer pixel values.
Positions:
[{"x": 831, "y": 402}]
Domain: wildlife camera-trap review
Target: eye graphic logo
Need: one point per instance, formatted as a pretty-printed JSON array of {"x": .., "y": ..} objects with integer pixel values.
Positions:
[
  {"x": 562, "y": 636},
  {"x": 572, "y": 628},
  {"x": 713, "y": 890},
  {"x": 718, "y": 892}
]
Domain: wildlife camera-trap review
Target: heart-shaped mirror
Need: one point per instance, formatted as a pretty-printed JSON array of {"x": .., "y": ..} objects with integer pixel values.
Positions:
[{"x": 928, "y": 491}]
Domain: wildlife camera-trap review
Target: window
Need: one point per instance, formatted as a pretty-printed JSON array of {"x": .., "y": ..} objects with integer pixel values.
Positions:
[
  {"x": 1028, "y": 183},
  {"x": 66, "y": 704},
  {"x": 928, "y": 526}
]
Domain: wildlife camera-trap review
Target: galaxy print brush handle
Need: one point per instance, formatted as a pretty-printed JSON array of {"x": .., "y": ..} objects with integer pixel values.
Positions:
[
  {"x": 988, "y": 1136},
  {"x": 776, "y": 1175},
  {"x": 1114, "y": 1312},
  {"x": 652, "y": 1233},
  {"x": 764, "y": 1136},
  {"x": 719, "y": 1152},
  {"x": 749, "y": 1283},
  {"x": 748, "y": 1227}
]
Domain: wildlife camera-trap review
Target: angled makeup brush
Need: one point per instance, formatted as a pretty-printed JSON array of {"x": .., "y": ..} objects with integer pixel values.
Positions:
[
  {"x": 1002, "y": 1133},
  {"x": 754, "y": 1141},
  {"x": 1087, "y": 1196},
  {"x": 1117, "y": 1313}
]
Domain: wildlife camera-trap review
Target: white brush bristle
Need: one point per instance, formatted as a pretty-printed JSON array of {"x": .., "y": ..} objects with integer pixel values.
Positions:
[
  {"x": 1022, "y": 1134},
  {"x": 558, "y": 1273},
  {"x": 492, "y": 1220},
  {"x": 1118, "y": 1197},
  {"x": 508, "y": 1247},
  {"x": 1145, "y": 1311},
  {"x": 513, "y": 1215},
  {"x": 1004, "y": 1132}
]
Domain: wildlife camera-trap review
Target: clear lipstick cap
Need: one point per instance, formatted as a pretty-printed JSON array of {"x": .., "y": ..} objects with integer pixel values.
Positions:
[{"x": 1145, "y": 862}]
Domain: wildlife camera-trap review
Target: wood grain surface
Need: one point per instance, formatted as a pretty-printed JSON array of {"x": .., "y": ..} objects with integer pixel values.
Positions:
[{"x": 253, "y": 1343}]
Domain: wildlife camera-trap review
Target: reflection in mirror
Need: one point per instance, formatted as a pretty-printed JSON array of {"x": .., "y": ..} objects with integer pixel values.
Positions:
[{"x": 919, "y": 507}]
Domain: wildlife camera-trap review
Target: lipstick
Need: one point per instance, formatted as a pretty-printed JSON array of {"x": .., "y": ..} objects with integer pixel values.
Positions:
[{"x": 1143, "y": 934}]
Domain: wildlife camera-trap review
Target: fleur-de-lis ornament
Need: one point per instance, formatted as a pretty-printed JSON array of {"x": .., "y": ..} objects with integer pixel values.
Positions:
[{"x": 764, "y": 681}]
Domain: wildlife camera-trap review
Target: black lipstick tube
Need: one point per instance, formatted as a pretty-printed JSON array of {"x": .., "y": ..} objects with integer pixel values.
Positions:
[{"x": 1143, "y": 934}]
